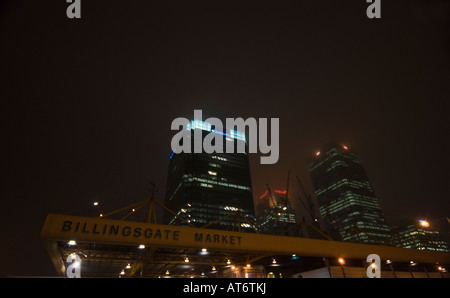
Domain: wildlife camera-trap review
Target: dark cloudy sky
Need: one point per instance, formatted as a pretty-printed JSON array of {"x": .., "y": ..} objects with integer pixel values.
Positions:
[{"x": 86, "y": 105}]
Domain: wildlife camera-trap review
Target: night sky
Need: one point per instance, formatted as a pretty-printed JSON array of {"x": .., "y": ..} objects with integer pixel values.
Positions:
[{"x": 86, "y": 105}]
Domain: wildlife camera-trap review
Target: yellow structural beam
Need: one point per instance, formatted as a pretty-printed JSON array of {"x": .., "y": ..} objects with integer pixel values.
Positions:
[{"x": 59, "y": 227}]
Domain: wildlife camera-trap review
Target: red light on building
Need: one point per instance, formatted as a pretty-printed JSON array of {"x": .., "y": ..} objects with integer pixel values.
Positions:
[{"x": 263, "y": 195}]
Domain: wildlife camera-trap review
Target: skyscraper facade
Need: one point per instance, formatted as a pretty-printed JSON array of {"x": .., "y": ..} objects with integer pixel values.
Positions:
[
  {"x": 347, "y": 203},
  {"x": 202, "y": 187},
  {"x": 420, "y": 236}
]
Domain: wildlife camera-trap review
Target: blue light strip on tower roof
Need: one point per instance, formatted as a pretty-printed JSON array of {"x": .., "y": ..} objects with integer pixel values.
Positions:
[{"x": 238, "y": 135}]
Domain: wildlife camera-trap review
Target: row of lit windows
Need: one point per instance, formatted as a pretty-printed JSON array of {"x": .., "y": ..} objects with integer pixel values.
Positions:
[
  {"x": 212, "y": 177},
  {"x": 423, "y": 232},
  {"x": 375, "y": 223},
  {"x": 375, "y": 227},
  {"x": 339, "y": 205},
  {"x": 362, "y": 200},
  {"x": 347, "y": 202},
  {"x": 204, "y": 208},
  {"x": 431, "y": 245},
  {"x": 345, "y": 182},
  {"x": 209, "y": 181},
  {"x": 230, "y": 160},
  {"x": 332, "y": 187},
  {"x": 347, "y": 233},
  {"x": 204, "y": 215},
  {"x": 337, "y": 163},
  {"x": 368, "y": 218},
  {"x": 338, "y": 152},
  {"x": 334, "y": 152}
]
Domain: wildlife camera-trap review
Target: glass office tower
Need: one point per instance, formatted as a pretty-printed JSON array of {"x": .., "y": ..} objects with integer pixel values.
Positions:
[
  {"x": 203, "y": 187},
  {"x": 420, "y": 236},
  {"x": 347, "y": 203}
]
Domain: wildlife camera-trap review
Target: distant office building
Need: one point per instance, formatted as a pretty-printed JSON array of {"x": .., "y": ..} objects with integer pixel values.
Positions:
[
  {"x": 203, "y": 187},
  {"x": 347, "y": 203},
  {"x": 443, "y": 226},
  {"x": 420, "y": 236},
  {"x": 274, "y": 213}
]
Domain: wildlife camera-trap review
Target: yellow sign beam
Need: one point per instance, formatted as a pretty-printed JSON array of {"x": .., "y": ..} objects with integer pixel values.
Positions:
[{"x": 108, "y": 231}]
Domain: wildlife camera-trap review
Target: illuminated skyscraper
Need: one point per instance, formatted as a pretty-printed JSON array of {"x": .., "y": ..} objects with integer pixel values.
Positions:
[
  {"x": 347, "y": 203},
  {"x": 420, "y": 236},
  {"x": 203, "y": 187}
]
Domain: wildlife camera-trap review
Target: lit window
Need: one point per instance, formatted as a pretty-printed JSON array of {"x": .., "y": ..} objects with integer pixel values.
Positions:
[
  {"x": 231, "y": 208},
  {"x": 219, "y": 158}
]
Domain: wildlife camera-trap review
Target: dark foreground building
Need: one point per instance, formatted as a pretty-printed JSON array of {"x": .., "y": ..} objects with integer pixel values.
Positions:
[
  {"x": 347, "y": 203},
  {"x": 204, "y": 187},
  {"x": 274, "y": 213}
]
